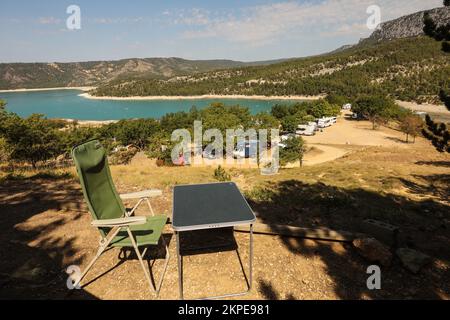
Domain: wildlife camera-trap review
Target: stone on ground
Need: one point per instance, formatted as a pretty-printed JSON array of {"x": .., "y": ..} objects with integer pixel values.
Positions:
[
  {"x": 373, "y": 250},
  {"x": 413, "y": 260}
]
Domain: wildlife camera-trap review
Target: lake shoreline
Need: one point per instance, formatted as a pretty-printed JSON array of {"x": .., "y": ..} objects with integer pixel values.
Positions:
[
  {"x": 48, "y": 89},
  {"x": 202, "y": 97}
]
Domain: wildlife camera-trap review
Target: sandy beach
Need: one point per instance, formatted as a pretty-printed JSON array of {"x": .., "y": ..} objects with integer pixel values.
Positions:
[
  {"x": 89, "y": 96},
  {"x": 48, "y": 89},
  {"x": 92, "y": 122}
]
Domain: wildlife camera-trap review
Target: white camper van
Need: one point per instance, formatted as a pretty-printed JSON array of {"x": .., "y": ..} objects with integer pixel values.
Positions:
[
  {"x": 347, "y": 106},
  {"x": 324, "y": 122},
  {"x": 306, "y": 130}
]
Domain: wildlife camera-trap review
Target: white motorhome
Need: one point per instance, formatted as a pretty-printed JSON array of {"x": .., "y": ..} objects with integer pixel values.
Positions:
[
  {"x": 324, "y": 122},
  {"x": 313, "y": 124},
  {"x": 347, "y": 106},
  {"x": 306, "y": 130},
  {"x": 288, "y": 136}
]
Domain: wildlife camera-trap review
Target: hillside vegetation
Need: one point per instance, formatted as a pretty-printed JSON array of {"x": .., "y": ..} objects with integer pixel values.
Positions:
[
  {"x": 47, "y": 75},
  {"x": 407, "y": 69}
]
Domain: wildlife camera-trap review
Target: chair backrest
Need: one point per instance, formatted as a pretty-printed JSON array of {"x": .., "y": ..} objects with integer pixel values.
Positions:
[{"x": 98, "y": 188}]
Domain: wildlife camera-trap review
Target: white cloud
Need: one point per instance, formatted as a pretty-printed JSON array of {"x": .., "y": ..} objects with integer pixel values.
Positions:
[
  {"x": 49, "y": 20},
  {"x": 117, "y": 20},
  {"x": 265, "y": 24},
  {"x": 193, "y": 17}
]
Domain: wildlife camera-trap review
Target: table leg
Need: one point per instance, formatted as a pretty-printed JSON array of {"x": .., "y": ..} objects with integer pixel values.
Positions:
[
  {"x": 251, "y": 258},
  {"x": 180, "y": 266}
]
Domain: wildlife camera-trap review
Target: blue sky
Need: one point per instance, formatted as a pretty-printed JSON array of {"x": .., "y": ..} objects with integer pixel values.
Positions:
[{"x": 35, "y": 31}]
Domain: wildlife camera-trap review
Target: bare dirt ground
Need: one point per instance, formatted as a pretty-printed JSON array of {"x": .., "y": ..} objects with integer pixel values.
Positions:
[
  {"x": 45, "y": 227},
  {"x": 437, "y": 112},
  {"x": 349, "y": 135}
]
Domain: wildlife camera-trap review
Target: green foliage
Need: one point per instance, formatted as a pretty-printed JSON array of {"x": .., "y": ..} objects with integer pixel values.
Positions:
[
  {"x": 46, "y": 75},
  {"x": 133, "y": 132},
  {"x": 322, "y": 108},
  {"x": 337, "y": 99},
  {"x": 429, "y": 26},
  {"x": 438, "y": 134},
  {"x": 32, "y": 139},
  {"x": 377, "y": 109},
  {"x": 294, "y": 151},
  {"x": 292, "y": 115},
  {"x": 160, "y": 147},
  {"x": 219, "y": 116},
  {"x": 4, "y": 153},
  {"x": 411, "y": 125},
  {"x": 123, "y": 156},
  {"x": 446, "y": 46},
  {"x": 2, "y": 104},
  {"x": 221, "y": 175},
  {"x": 264, "y": 120},
  {"x": 405, "y": 69},
  {"x": 440, "y": 34},
  {"x": 445, "y": 98},
  {"x": 75, "y": 135},
  {"x": 179, "y": 120}
]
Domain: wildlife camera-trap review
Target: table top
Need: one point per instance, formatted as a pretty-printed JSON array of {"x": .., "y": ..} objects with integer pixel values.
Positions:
[{"x": 208, "y": 206}]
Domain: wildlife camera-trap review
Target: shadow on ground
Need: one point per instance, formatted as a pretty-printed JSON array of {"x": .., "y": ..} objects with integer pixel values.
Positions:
[
  {"x": 424, "y": 225},
  {"x": 33, "y": 262}
]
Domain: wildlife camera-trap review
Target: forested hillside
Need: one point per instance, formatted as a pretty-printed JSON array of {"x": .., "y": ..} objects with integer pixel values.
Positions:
[
  {"x": 47, "y": 75},
  {"x": 407, "y": 69}
]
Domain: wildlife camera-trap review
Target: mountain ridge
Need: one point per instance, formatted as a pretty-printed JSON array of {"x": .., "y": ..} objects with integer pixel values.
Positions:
[
  {"x": 91, "y": 73},
  {"x": 407, "y": 26},
  {"x": 95, "y": 73}
]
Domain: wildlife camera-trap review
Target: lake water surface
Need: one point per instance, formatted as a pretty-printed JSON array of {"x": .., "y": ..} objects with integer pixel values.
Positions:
[{"x": 67, "y": 104}]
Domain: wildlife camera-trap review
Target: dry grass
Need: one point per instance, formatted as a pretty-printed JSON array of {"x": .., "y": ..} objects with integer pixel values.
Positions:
[{"x": 45, "y": 224}]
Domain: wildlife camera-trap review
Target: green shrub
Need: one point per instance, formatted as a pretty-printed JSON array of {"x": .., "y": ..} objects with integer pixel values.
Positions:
[{"x": 221, "y": 175}]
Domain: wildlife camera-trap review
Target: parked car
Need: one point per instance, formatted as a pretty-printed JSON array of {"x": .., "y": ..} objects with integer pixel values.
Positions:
[
  {"x": 211, "y": 155},
  {"x": 246, "y": 150}
]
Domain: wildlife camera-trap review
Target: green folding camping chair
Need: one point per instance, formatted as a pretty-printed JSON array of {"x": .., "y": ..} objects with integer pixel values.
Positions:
[{"x": 118, "y": 226}]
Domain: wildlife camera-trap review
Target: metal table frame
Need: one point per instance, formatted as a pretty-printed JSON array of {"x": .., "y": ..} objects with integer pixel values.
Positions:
[{"x": 223, "y": 225}]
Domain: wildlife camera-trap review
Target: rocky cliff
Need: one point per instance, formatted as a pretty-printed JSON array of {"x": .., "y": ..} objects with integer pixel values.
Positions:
[{"x": 408, "y": 26}]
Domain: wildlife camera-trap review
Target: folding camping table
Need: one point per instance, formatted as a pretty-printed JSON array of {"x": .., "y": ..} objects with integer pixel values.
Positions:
[{"x": 210, "y": 206}]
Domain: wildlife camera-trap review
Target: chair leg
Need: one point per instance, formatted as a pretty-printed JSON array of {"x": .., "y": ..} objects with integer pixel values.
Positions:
[
  {"x": 150, "y": 206},
  {"x": 141, "y": 261},
  {"x": 103, "y": 245},
  {"x": 147, "y": 275}
]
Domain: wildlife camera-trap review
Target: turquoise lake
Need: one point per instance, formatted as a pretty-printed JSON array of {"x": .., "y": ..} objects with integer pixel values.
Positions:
[{"x": 67, "y": 104}]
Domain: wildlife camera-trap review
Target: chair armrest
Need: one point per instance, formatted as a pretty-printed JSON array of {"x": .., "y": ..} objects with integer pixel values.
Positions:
[
  {"x": 121, "y": 222},
  {"x": 141, "y": 194}
]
